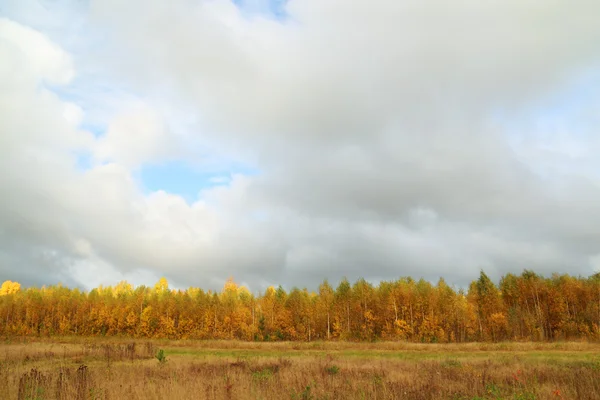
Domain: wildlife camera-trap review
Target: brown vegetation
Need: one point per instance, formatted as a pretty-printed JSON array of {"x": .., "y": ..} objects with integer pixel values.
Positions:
[{"x": 110, "y": 369}]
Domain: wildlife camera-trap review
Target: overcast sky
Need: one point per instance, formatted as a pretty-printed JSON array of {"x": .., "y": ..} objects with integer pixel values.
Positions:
[{"x": 289, "y": 142}]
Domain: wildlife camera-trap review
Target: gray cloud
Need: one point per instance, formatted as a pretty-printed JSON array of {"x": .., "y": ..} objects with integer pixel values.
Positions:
[{"x": 392, "y": 138}]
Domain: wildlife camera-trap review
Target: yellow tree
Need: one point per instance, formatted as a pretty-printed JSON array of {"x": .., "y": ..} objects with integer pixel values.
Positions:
[
  {"x": 124, "y": 288},
  {"x": 229, "y": 302},
  {"x": 490, "y": 308},
  {"x": 363, "y": 295},
  {"x": 161, "y": 286},
  {"x": 326, "y": 297},
  {"x": 9, "y": 287},
  {"x": 342, "y": 298}
]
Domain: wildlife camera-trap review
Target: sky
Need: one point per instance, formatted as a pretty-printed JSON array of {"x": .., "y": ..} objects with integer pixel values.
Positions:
[{"x": 290, "y": 142}]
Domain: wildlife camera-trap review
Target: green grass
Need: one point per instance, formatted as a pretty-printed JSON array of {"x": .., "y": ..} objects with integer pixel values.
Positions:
[{"x": 560, "y": 357}]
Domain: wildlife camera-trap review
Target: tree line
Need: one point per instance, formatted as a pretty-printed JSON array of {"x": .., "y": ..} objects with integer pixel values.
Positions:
[{"x": 522, "y": 307}]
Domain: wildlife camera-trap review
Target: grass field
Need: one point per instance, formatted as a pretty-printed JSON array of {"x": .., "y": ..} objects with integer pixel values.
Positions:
[{"x": 74, "y": 368}]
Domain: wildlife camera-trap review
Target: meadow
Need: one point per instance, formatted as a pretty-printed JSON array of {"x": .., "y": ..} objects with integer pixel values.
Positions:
[{"x": 112, "y": 368}]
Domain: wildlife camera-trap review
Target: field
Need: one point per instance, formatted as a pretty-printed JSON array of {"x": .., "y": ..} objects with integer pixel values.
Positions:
[{"x": 75, "y": 368}]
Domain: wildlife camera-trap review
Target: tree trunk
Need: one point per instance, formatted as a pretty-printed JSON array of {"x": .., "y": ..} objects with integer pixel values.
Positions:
[
  {"x": 348, "y": 315},
  {"x": 328, "y": 327}
]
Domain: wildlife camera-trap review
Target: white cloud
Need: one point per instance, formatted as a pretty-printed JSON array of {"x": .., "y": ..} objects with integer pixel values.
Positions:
[
  {"x": 41, "y": 57},
  {"x": 374, "y": 126},
  {"x": 135, "y": 137}
]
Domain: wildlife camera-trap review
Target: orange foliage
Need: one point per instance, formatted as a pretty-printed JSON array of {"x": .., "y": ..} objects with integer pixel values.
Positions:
[{"x": 525, "y": 307}]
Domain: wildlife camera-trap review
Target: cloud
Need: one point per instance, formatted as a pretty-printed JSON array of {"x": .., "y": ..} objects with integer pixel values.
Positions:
[
  {"x": 39, "y": 55},
  {"x": 135, "y": 137},
  {"x": 392, "y": 138}
]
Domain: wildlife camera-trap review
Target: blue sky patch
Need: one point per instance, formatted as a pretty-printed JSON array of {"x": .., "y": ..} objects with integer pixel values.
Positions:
[
  {"x": 273, "y": 8},
  {"x": 178, "y": 177}
]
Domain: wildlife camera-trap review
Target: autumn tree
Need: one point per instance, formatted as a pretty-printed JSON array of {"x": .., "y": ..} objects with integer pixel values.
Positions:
[
  {"x": 527, "y": 306},
  {"x": 490, "y": 308},
  {"x": 343, "y": 298},
  {"x": 325, "y": 301},
  {"x": 9, "y": 287}
]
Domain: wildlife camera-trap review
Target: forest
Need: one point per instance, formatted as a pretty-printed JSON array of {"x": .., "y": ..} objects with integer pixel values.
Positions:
[{"x": 526, "y": 307}]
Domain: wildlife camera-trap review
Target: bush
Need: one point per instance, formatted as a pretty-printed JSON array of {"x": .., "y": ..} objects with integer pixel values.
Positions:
[
  {"x": 333, "y": 370},
  {"x": 161, "y": 357}
]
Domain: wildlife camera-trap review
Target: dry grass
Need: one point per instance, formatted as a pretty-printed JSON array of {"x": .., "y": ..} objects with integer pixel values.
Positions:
[{"x": 74, "y": 368}]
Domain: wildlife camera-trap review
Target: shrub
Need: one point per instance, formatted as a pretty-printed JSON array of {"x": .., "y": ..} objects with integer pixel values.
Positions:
[
  {"x": 161, "y": 357},
  {"x": 333, "y": 370}
]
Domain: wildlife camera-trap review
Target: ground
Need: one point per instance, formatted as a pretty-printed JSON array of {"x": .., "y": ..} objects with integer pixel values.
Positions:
[{"x": 121, "y": 368}]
